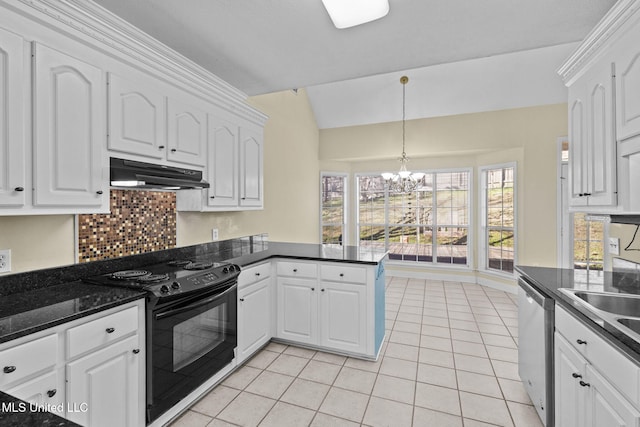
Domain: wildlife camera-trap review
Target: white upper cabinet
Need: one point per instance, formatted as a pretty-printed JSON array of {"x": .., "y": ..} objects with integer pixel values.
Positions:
[
  {"x": 234, "y": 168},
  {"x": 69, "y": 135},
  {"x": 187, "y": 133},
  {"x": 603, "y": 77},
  {"x": 251, "y": 174},
  {"x": 592, "y": 147},
  {"x": 137, "y": 119},
  {"x": 13, "y": 186},
  {"x": 79, "y": 85},
  {"x": 143, "y": 121},
  {"x": 628, "y": 85},
  {"x": 222, "y": 163}
]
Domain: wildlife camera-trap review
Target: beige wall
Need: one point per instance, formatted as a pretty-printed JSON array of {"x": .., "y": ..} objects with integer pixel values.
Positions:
[
  {"x": 38, "y": 241},
  {"x": 527, "y": 136},
  {"x": 291, "y": 180},
  {"x": 291, "y": 207}
]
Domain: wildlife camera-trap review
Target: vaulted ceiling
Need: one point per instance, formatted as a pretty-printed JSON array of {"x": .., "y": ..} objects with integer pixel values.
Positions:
[{"x": 266, "y": 46}]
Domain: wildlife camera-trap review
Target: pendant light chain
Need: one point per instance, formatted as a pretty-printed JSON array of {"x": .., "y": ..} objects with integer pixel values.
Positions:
[
  {"x": 404, "y": 181},
  {"x": 404, "y": 87}
]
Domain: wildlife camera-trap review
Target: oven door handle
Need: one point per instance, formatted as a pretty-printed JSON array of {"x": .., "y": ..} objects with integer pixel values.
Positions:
[{"x": 162, "y": 315}]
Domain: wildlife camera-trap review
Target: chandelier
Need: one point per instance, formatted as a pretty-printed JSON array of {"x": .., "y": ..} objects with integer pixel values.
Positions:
[{"x": 404, "y": 181}]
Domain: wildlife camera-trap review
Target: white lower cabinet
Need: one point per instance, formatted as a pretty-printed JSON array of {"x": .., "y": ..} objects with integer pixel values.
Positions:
[
  {"x": 254, "y": 318},
  {"x": 42, "y": 391},
  {"x": 343, "y": 316},
  {"x": 92, "y": 370},
  {"x": 585, "y": 394},
  {"x": 297, "y": 310},
  {"x": 103, "y": 387},
  {"x": 328, "y": 311}
]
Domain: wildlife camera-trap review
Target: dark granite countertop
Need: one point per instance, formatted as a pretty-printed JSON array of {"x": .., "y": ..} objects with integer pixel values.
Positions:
[
  {"x": 18, "y": 413},
  {"x": 251, "y": 254},
  {"x": 37, "y": 300},
  {"x": 24, "y": 313},
  {"x": 550, "y": 280}
]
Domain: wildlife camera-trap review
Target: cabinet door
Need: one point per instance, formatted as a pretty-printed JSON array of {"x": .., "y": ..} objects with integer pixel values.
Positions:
[
  {"x": 12, "y": 145},
  {"x": 222, "y": 162},
  {"x": 187, "y": 133},
  {"x": 570, "y": 397},
  {"x": 70, "y": 155},
  {"x": 601, "y": 148},
  {"x": 107, "y": 381},
  {"x": 137, "y": 119},
  {"x": 592, "y": 146},
  {"x": 297, "y": 310},
  {"x": 343, "y": 314},
  {"x": 607, "y": 407},
  {"x": 251, "y": 174},
  {"x": 577, "y": 145},
  {"x": 627, "y": 66},
  {"x": 254, "y": 318},
  {"x": 43, "y": 390}
]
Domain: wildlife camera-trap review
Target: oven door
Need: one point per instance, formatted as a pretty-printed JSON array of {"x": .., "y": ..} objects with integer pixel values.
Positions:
[{"x": 192, "y": 339}]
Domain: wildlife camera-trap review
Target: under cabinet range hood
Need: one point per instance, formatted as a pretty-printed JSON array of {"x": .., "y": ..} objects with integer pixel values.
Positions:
[{"x": 133, "y": 174}]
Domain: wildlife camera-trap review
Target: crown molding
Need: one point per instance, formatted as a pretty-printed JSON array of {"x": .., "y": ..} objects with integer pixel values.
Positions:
[
  {"x": 617, "y": 16},
  {"x": 93, "y": 24}
]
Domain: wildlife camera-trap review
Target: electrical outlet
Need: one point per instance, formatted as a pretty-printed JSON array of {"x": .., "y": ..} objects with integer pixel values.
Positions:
[
  {"x": 5, "y": 260},
  {"x": 214, "y": 234},
  {"x": 614, "y": 246}
]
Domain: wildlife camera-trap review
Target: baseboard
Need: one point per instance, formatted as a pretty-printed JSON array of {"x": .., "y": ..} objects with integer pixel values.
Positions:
[{"x": 462, "y": 276}]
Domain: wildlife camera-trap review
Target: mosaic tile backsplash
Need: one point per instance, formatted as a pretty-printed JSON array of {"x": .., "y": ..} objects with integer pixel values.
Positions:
[{"x": 140, "y": 221}]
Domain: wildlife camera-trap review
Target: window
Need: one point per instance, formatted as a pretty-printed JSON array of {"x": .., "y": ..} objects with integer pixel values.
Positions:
[
  {"x": 430, "y": 224},
  {"x": 498, "y": 210},
  {"x": 588, "y": 242},
  {"x": 333, "y": 217}
]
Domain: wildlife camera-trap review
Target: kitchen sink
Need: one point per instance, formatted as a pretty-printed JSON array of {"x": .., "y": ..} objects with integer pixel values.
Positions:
[
  {"x": 623, "y": 305},
  {"x": 633, "y": 324},
  {"x": 622, "y": 311}
]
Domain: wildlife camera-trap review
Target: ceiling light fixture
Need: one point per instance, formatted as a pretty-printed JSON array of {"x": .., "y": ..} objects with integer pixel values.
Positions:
[
  {"x": 404, "y": 181},
  {"x": 349, "y": 13}
]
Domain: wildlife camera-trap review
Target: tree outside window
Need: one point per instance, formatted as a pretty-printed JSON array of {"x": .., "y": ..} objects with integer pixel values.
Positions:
[
  {"x": 499, "y": 214},
  {"x": 430, "y": 224},
  {"x": 333, "y": 215},
  {"x": 588, "y": 242}
]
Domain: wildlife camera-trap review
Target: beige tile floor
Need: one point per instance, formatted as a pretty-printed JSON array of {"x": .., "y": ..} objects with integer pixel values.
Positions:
[{"x": 449, "y": 359}]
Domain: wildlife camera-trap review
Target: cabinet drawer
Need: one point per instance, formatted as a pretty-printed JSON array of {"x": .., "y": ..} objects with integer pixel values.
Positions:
[
  {"x": 339, "y": 273},
  {"x": 25, "y": 359},
  {"x": 252, "y": 274},
  {"x": 297, "y": 269},
  {"x": 610, "y": 362},
  {"x": 101, "y": 331}
]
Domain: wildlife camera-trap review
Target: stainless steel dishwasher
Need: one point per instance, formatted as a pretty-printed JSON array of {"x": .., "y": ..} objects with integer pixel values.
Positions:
[{"x": 535, "y": 348}]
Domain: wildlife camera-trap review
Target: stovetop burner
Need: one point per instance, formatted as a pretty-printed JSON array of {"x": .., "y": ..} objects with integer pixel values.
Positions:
[
  {"x": 179, "y": 262},
  {"x": 172, "y": 278},
  {"x": 198, "y": 265},
  {"x": 129, "y": 274},
  {"x": 152, "y": 278}
]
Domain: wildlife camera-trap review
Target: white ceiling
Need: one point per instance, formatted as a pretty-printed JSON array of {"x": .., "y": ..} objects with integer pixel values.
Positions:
[{"x": 271, "y": 45}]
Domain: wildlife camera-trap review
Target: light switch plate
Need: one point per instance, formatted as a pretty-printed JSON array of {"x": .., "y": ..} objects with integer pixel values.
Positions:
[
  {"x": 5, "y": 260},
  {"x": 614, "y": 246},
  {"x": 214, "y": 234}
]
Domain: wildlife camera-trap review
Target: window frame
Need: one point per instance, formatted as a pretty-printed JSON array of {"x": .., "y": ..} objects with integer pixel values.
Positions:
[
  {"x": 345, "y": 205},
  {"x": 483, "y": 229},
  {"x": 470, "y": 227}
]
